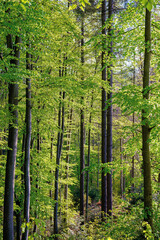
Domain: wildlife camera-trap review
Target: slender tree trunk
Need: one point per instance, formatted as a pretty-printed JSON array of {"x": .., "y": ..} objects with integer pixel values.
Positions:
[
  {"x": 132, "y": 170},
  {"x": 121, "y": 179},
  {"x": 37, "y": 172},
  {"x": 27, "y": 148},
  {"x": 109, "y": 110},
  {"x": 50, "y": 192},
  {"x": 67, "y": 163},
  {"x": 145, "y": 125},
  {"x": 98, "y": 167},
  {"x": 59, "y": 148},
  {"x": 88, "y": 160},
  {"x": 18, "y": 221},
  {"x": 8, "y": 231},
  {"x": 18, "y": 199},
  {"x": 82, "y": 132},
  {"x": 104, "y": 115}
]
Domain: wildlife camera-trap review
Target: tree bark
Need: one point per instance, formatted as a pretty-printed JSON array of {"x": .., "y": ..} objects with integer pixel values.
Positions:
[
  {"x": 109, "y": 109},
  {"x": 18, "y": 199},
  {"x": 27, "y": 148},
  {"x": 145, "y": 125},
  {"x": 67, "y": 163},
  {"x": 104, "y": 115},
  {"x": 88, "y": 160},
  {"x": 121, "y": 179},
  {"x": 59, "y": 148},
  {"x": 132, "y": 170},
  {"x": 82, "y": 132},
  {"x": 8, "y": 231}
]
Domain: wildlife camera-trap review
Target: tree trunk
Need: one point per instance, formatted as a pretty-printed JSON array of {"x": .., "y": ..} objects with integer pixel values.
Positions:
[
  {"x": 59, "y": 148},
  {"x": 88, "y": 160},
  {"x": 8, "y": 231},
  {"x": 121, "y": 179},
  {"x": 18, "y": 199},
  {"x": 82, "y": 132},
  {"x": 27, "y": 148},
  {"x": 104, "y": 115},
  {"x": 109, "y": 109},
  {"x": 67, "y": 163},
  {"x": 132, "y": 170},
  {"x": 50, "y": 192},
  {"x": 145, "y": 125},
  {"x": 37, "y": 171}
]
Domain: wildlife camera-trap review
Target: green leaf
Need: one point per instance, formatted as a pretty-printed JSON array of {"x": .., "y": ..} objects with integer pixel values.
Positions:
[
  {"x": 86, "y": 1},
  {"x": 82, "y": 8},
  {"x": 149, "y": 6},
  {"x": 72, "y": 7}
]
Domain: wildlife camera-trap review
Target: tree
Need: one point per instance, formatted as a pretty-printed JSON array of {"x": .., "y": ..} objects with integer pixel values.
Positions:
[
  {"x": 14, "y": 49},
  {"x": 145, "y": 125},
  {"x": 109, "y": 109},
  {"x": 104, "y": 112},
  {"x": 27, "y": 147},
  {"x": 59, "y": 149},
  {"x": 82, "y": 130}
]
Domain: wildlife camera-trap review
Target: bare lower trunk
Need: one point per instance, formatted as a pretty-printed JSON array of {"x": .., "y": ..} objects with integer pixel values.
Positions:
[
  {"x": 27, "y": 149},
  {"x": 121, "y": 179},
  {"x": 59, "y": 148},
  {"x": 67, "y": 164},
  {"x": 88, "y": 161}
]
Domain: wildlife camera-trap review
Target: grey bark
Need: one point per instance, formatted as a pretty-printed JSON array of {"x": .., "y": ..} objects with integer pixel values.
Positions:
[
  {"x": 8, "y": 231},
  {"x": 27, "y": 148}
]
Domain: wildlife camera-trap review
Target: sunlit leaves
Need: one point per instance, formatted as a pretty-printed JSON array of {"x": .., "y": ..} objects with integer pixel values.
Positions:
[{"x": 80, "y": 3}]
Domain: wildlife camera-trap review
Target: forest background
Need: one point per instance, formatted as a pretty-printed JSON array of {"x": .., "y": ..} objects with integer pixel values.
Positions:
[{"x": 80, "y": 119}]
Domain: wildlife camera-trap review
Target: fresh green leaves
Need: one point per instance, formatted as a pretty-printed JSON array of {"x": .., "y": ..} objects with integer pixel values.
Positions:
[{"x": 148, "y": 4}]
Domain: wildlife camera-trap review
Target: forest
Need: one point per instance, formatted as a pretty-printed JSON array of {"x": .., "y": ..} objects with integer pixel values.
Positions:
[{"x": 79, "y": 119}]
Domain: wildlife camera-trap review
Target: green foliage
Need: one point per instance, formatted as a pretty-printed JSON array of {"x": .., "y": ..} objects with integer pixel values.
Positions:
[
  {"x": 54, "y": 34},
  {"x": 94, "y": 194}
]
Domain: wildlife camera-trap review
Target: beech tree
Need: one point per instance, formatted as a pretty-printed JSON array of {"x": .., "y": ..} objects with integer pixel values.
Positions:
[
  {"x": 14, "y": 49},
  {"x": 27, "y": 145},
  {"x": 145, "y": 125},
  {"x": 104, "y": 111}
]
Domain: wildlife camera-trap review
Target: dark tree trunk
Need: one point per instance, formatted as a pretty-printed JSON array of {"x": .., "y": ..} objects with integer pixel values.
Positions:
[
  {"x": 132, "y": 170},
  {"x": 18, "y": 221},
  {"x": 8, "y": 231},
  {"x": 98, "y": 167},
  {"x": 145, "y": 125},
  {"x": 88, "y": 160},
  {"x": 50, "y": 192},
  {"x": 104, "y": 115},
  {"x": 67, "y": 163},
  {"x": 27, "y": 148},
  {"x": 109, "y": 109},
  {"x": 38, "y": 146},
  {"x": 121, "y": 179},
  {"x": 82, "y": 132},
  {"x": 18, "y": 199},
  {"x": 59, "y": 148}
]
